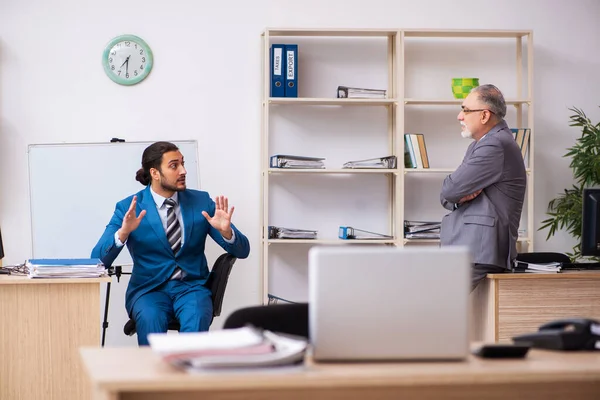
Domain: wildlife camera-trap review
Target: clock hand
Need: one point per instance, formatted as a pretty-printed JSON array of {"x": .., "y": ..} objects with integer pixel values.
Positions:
[{"x": 126, "y": 61}]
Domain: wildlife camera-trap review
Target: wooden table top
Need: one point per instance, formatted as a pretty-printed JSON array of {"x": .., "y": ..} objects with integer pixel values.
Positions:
[
  {"x": 25, "y": 280},
  {"x": 592, "y": 274},
  {"x": 139, "y": 369}
]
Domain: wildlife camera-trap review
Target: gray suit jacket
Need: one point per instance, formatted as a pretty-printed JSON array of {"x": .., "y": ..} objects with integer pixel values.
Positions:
[{"x": 488, "y": 225}]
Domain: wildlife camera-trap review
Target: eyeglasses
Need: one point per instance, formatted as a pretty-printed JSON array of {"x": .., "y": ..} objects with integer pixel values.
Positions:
[{"x": 466, "y": 110}]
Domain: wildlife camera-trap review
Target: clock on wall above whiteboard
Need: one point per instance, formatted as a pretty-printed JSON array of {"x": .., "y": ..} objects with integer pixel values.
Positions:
[{"x": 127, "y": 60}]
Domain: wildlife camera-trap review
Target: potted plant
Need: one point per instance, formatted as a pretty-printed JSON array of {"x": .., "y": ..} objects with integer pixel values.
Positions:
[{"x": 565, "y": 210}]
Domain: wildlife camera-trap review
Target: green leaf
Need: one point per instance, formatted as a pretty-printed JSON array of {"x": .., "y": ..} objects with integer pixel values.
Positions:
[{"x": 565, "y": 210}]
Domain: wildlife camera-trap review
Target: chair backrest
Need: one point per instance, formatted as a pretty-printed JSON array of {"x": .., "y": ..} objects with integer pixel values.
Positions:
[
  {"x": 543, "y": 257},
  {"x": 217, "y": 280}
]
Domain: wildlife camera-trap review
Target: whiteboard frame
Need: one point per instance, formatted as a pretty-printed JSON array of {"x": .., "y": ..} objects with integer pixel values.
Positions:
[{"x": 68, "y": 176}]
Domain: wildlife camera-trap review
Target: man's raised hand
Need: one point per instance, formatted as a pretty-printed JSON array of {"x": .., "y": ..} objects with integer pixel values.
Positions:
[
  {"x": 221, "y": 221},
  {"x": 130, "y": 221}
]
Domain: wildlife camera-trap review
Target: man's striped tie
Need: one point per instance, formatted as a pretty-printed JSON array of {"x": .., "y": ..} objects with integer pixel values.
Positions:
[
  {"x": 173, "y": 227},
  {"x": 173, "y": 234}
]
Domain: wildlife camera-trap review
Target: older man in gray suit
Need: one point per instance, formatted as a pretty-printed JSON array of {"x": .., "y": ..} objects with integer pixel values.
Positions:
[{"x": 486, "y": 192}]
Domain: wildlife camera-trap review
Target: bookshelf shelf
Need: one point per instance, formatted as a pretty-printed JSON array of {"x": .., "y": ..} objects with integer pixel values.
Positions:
[
  {"x": 332, "y": 171},
  {"x": 307, "y": 101},
  {"x": 458, "y": 102},
  {"x": 330, "y": 32},
  {"x": 437, "y": 241},
  {"x": 331, "y": 241},
  {"x": 464, "y": 33},
  {"x": 438, "y": 170}
]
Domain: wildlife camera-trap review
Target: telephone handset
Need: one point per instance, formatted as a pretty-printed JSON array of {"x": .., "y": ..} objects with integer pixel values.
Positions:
[{"x": 564, "y": 334}]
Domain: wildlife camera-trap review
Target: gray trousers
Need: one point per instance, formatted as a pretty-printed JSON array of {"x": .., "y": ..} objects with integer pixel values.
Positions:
[{"x": 480, "y": 271}]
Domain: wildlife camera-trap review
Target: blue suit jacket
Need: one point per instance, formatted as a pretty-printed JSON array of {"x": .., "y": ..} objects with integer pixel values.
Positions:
[{"x": 153, "y": 259}]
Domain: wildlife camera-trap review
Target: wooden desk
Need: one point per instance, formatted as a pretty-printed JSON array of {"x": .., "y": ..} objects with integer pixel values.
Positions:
[
  {"x": 137, "y": 373},
  {"x": 42, "y": 324},
  {"x": 505, "y": 305}
]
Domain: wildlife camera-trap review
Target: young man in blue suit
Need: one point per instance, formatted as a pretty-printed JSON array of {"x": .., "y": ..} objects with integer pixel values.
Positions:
[{"x": 164, "y": 227}]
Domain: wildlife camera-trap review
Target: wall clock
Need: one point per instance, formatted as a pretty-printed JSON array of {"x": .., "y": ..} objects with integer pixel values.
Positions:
[{"x": 127, "y": 60}]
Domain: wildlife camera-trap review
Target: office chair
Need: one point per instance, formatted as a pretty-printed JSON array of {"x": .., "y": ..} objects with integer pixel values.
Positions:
[
  {"x": 283, "y": 318},
  {"x": 216, "y": 283},
  {"x": 543, "y": 257}
]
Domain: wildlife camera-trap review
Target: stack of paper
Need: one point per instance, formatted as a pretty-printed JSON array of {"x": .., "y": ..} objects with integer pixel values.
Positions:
[
  {"x": 388, "y": 162},
  {"x": 553, "y": 267},
  {"x": 422, "y": 229},
  {"x": 65, "y": 268},
  {"x": 276, "y": 232},
  {"x": 360, "y": 93},
  {"x": 289, "y": 161},
  {"x": 242, "y": 347}
]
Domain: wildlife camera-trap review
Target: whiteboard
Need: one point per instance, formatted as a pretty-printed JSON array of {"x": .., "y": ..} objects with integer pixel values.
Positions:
[{"x": 73, "y": 190}]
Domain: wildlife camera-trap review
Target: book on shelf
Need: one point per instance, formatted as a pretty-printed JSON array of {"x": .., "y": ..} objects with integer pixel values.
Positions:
[
  {"x": 415, "y": 151},
  {"x": 291, "y": 161},
  {"x": 277, "y": 232},
  {"x": 388, "y": 162},
  {"x": 521, "y": 136},
  {"x": 346, "y": 92},
  {"x": 276, "y": 69},
  {"x": 291, "y": 71}
]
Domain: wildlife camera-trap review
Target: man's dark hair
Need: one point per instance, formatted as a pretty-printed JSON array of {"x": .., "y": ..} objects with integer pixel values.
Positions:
[
  {"x": 492, "y": 97},
  {"x": 152, "y": 158}
]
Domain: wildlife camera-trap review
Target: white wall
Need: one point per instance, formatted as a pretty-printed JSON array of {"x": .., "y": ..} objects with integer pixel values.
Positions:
[{"x": 206, "y": 86}]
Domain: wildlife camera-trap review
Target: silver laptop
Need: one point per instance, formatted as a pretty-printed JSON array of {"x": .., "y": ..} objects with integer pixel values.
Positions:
[{"x": 389, "y": 303}]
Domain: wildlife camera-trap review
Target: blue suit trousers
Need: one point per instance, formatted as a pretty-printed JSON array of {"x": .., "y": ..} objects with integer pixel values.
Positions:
[{"x": 187, "y": 301}]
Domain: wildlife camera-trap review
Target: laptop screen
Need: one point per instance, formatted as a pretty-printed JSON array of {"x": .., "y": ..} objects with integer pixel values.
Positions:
[{"x": 388, "y": 303}]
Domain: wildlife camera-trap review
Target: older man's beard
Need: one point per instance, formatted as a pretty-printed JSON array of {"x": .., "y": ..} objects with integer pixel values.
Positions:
[{"x": 465, "y": 133}]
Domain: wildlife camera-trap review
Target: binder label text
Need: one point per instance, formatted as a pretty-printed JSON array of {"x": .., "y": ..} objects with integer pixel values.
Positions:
[
  {"x": 290, "y": 65},
  {"x": 277, "y": 54}
]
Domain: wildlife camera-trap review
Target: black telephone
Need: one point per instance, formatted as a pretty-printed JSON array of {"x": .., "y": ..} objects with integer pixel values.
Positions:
[{"x": 566, "y": 334}]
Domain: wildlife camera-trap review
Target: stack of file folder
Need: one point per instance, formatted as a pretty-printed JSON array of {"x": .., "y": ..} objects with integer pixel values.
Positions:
[
  {"x": 348, "y": 233},
  {"x": 388, "y": 162},
  {"x": 65, "y": 268},
  {"x": 553, "y": 267},
  {"x": 345, "y": 92},
  {"x": 229, "y": 348},
  {"x": 276, "y": 232},
  {"x": 422, "y": 229},
  {"x": 289, "y": 161}
]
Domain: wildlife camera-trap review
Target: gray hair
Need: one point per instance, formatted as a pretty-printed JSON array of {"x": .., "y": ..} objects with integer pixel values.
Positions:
[{"x": 492, "y": 97}]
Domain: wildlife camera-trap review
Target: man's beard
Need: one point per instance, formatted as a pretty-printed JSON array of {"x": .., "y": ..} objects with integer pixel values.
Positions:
[
  {"x": 170, "y": 187},
  {"x": 465, "y": 133}
]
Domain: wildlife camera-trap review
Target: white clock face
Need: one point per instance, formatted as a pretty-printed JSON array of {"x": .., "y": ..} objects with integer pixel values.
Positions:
[{"x": 127, "y": 60}]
